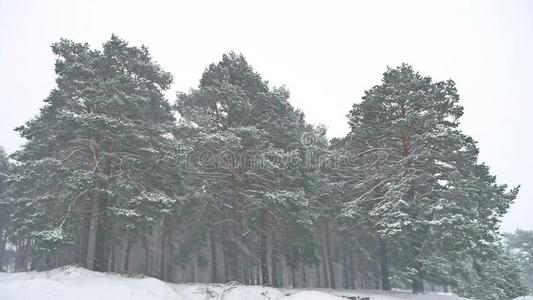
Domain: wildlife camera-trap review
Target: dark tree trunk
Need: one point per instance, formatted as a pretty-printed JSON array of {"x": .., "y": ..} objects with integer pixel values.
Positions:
[
  {"x": 250, "y": 271},
  {"x": 263, "y": 247},
  {"x": 304, "y": 277},
  {"x": 113, "y": 258},
  {"x": 3, "y": 240},
  {"x": 274, "y": 261},
  {"x": 418, "y": 280},
  {"x": 171, "y": 261},
  {"x": 193, "y": 270},
  {"x": 384, "y": 260},
  {"x": 237, "y": 254},
  {"x": 246, "y": 271},
  {"x": 345, "y": 271},
  {"x": 418, "y": 285},
  {"x": 318, "y": 282},
  {"x": 293, "y": 277},
  {"x": 94, "y": 215},
  {"x": 83, "y": 237},
  {"x": 20, "y": 256},
  {"x": 329, "y": 258},
  {"x": 258, "y": 274},
  {"x": 164, "y": 243},
  {"x": 101, "y": 255},
  {"x": 351, "y": 271},
  {"x": 92, "y": 232},
  {"x": 214, "y": 265},
  {"x": 325, "y": 271},
  {"x": 275, "y": 281},
  {"x": 226, "y": 260},
  {"x": 129, "y": 245},
  {"x": 103, "y": 240},
  {"x": 146, "y": 248}
]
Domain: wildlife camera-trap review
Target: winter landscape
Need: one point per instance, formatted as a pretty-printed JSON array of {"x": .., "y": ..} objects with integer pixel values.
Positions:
[{"x": 123, "y": 179}]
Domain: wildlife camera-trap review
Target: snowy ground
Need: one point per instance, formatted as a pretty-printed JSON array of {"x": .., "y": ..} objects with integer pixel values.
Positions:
[{"x": 82, "y": 284}]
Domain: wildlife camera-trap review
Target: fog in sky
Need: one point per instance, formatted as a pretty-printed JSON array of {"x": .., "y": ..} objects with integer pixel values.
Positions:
[{"x": 327, "y": 53}]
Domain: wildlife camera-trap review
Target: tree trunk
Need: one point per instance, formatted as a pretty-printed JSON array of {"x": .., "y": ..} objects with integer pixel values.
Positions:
[
  {"x": 102, "y": 248},
  {"x": 263, "y": 247},
  {"x": 112, "y": 258},
  {"x": 325, "y": 270},
  {"x": 129, "y": 245},
  {"x": 93, "y": 230},
  {"x": 384, "y": 260},
  {"x": 258, "y": 274},
  {"x": 214, "y": 266},
  {"x": 345, "y": 275},
  {"x": 328, "y": 257},
  {"x": 418, "y": 280},
  {"x": 103, "y": 240},
  {"x": 171, "y": 262},
  {"x": 20, "y": 256},
  {"x": 318, "y": 282},
  {"x": 293, "y": 272},
  {"x": 146, "y": 248},
  {"x": 418, "y": 285},
  {"x": 237, "y": 257},
  {"x": 94, "y": 222},
  {"x": 351, "y": 271},
  {"x": 162, "y": 263},
  {"x": 304, "y": 278},
  {"x": 3, "y": 240},
  {"x": 83, "y": 236},
  {"x": 226, "y": 259},
  {"x": 274, "y": 262},
  {"x": 246, "y": 270}
]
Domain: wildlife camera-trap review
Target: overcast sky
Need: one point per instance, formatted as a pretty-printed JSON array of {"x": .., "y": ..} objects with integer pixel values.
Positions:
[{"x": 327, "y": 53}]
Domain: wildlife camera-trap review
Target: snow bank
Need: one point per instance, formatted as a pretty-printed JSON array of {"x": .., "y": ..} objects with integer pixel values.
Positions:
[
  {"x": 81, "y": 284},
  {"x": 226, "y": 292},
  {"x": 371, "y": 294},
  {"x": 312, "y": 295}
]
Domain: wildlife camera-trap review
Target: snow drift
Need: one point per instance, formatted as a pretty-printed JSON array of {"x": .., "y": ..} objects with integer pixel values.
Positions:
[{"x": 81, "y": 284}]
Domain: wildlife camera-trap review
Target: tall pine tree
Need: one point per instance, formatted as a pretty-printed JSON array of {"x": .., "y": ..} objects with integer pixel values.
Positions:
[
  {"x": 242, "y": 135},
  {"x": 416, "y": 165},
  {"x": 97, "y": 157}
]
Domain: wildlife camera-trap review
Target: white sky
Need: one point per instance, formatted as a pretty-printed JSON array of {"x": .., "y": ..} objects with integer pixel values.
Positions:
[{"x": 327, "y": 53}]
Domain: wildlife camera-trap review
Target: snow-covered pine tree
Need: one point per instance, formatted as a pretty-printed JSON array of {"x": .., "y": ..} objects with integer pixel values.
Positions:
[
  {"x": 242, "y": 135},
  {"x": 496, "y": 274},
  {"x": 97, "y": 158},
  {"x": 416, "y": 160},
  {"x": 520, "y": 243}
]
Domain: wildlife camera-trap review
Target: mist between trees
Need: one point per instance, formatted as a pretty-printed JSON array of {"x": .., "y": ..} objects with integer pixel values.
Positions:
[{"x": 239, "y": 187}]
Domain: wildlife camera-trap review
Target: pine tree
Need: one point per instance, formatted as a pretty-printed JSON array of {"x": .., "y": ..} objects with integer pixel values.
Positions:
[
  {"x": 496, "y": 275},
  {"x": 421, "y": 186},
  {"x": 98, "y": 157},
  {"x": 520, "y": 244},
  {"x": 242, "y": 133}
]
